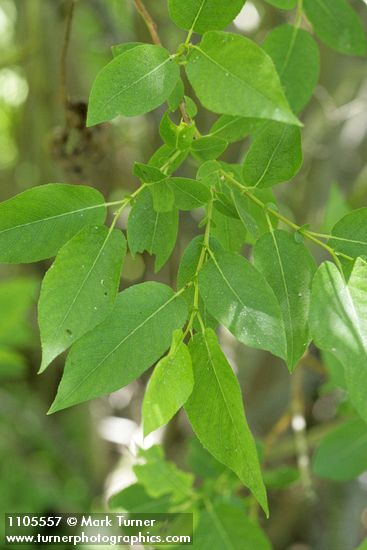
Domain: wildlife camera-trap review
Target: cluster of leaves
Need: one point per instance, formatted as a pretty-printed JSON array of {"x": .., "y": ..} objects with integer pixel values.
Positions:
[{"x": 277, "y": 302}]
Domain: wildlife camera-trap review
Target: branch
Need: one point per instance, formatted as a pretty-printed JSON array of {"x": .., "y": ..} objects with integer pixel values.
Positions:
[
  {"x": 148, "y": 20},
  {"x": 64, "y": 53},
  {"x": 152, "y": 27}
]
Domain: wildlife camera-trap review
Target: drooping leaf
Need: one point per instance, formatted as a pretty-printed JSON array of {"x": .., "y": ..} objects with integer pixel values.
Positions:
[
  {"x": 283, "y": 4},
  {"x": 224, "y": 526},
  {"x": 297, "y": 60},
  {"x": 216, "y": 413},
  {"x": 275, "y": 156},
  {"x": 189, "y": 194},
  {"x": 79, "y": 289},
  {"x": 133, "y": 83},
  {"x": 151, "y": 231},
  {"x": 338, "y": 323},
  {"x": 289, "y": 268},
  {"x": 234, "y": 128},
  {"x": 337, "y": 24},
  {"x": 226, "y": 61},
  {"x": 161, "y": 477},
  {"x": 169, "y": 386},
  {"x": 342, "y": 454},
  {"x": 135, "y": 499},
  {"x": 133, "y": 337},
  {"x": 349, "y": 235},
  {"x": 37, "y": 222},
  {"x": 203, "y": 15},
  {"x": 239, "y": 297}
]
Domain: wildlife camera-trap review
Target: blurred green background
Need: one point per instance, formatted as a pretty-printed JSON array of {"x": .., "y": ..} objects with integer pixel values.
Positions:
[{"x": 74, "y": 460}]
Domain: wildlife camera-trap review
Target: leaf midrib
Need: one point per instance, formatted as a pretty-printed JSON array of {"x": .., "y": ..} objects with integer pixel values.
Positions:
[
  {"x": 131, "y": 333},
  {"x": 57, "y": 216}
]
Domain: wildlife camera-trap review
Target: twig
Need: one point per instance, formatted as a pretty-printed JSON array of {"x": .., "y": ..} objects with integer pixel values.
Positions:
[
  {"x": 64, "y": 53},
  {"x": 152, "y": 27},
  {"x": 149, "y": 21}
]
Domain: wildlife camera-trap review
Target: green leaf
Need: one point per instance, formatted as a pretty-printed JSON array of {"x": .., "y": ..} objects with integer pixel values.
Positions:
[
  {"x": 289, "y": 268},
  {"x": 151, "y": 231},
  {"x": 135, "y": 499},
  {"x": 336, "y": 376},
  {"x": 342, "y": 454},
  {"x": 189, "y": 194},
  {"x": 349, "y": 235},
  {"x": 168, "y": 157},
  {"x": 133, "y": 337},
  {"x": 37, "y": 222},
  {"x": 283, "y": 4},
  {"x": 163, "y": 196},
  {"x": 229, "y": 232},
  {"x": 234, "y": 128},
  {"x": 208, "y": 148},
  {"x": 148, "y": 174},
  {"x": 216, "y": 413},
  {"x": 338, "y": 323},
  {"x": 160, "y": 477},
  {"x": 251, "y": 214},
  {"x": 337, "y": 24},
  {"x": 133, "y": 83},
  {"x": 119, "y": 49},
  {"x": 176, "y": 96},
  {"x": 226, "y": 61},
  {"x": 178, "y": 137},
  {"x": 203, "y": 15},
  {"x": 296, "y": 58},
  {"x": 79, "y": 289},
  {"x": 239, "y": 297},
  {"x": 274, "y": 156},
  {"x": 169, "y": 386},
  {"x": 224, "y": 526}
]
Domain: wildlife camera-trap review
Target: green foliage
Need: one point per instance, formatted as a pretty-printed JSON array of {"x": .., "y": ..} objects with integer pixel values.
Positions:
[
  {"x": 135, "y": 335},
  {"x": 221, "y": 412},
  {"x": 288, "y": 268},
  {"x": 148, "y": 74},
  {"x": 153, "y": 231},
  {"x": 338, "y": 324},
  {"x": 203, "y": 15},
  {"x": 169, "y": 386},
  {"x": 342, "y": 454},
  {"x": 250, "y": 311},
  {"x": 274, "y": 156},
  {"x": 297, "y": 60},
  {"x": 283, "y": 4},
  {"x": 36, "y": 223},
  {"x": 336, "y": 24},
  {"x": 225, "y": 61},
  {"x": 265, "y": 300},
  {"x": 80, "y": 288}
]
